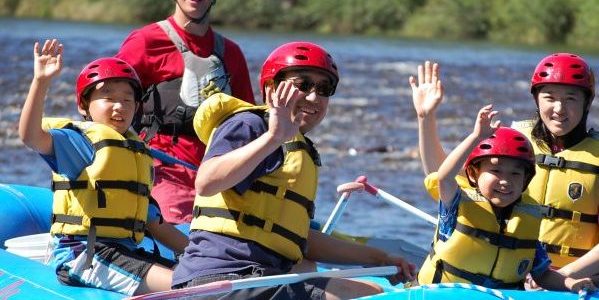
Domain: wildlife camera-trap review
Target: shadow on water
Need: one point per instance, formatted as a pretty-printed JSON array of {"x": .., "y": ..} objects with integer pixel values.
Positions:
[{"x": 370, "y": 129}]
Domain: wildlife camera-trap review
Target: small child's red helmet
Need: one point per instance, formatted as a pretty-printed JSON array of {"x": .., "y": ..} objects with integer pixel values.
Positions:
[
  {"x": 106, "y": 68},
  {"x": 564, "y": 68},
  {"x": 505, "y": 142},
  {"x": 298, "y": 55}
]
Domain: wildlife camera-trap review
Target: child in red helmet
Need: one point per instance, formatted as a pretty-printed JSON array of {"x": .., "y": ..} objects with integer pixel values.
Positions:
[
  {"x": 487, "y": 234},
  {"x": 102, "y": 176},
  {"x": 257, "y": 185},
  {"x": 567, "y": 152}
]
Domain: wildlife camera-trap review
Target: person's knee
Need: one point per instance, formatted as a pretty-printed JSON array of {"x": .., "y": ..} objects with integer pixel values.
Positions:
[{"x": 349, "y": 289}]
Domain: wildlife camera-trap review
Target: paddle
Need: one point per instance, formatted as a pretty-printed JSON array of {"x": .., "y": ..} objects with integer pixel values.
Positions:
[
  {"x": 394, "y": 200},
  {"x": 225, "y": 286},
  {"x": 339, "y": 208},
  {"x": 171, "y": 159}
]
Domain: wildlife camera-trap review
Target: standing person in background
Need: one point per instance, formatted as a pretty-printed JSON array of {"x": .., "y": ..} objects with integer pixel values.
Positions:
[
  {"x": 566, "y": 183},
  {"x": 176, "y": 58}
]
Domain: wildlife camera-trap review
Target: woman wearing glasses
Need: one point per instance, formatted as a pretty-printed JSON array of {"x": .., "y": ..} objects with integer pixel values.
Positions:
[{"x": 257, "y": 184}]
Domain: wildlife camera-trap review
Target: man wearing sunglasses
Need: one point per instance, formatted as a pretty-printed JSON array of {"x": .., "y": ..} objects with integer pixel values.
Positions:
[{"x": 257, "y": 185}]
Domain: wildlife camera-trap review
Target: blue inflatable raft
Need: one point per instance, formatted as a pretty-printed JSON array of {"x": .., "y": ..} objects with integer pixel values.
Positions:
[{"x": 26, "y": 211}]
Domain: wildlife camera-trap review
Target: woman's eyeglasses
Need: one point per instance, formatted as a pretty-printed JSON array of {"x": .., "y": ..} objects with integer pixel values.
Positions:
[{"x": 306, "y": 85}]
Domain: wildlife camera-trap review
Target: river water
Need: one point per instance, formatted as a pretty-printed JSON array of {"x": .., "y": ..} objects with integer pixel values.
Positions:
[{"x": 370, "y": 129}]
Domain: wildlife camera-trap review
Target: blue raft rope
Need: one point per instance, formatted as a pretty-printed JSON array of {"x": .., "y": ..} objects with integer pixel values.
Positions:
[
  {"x": 477, "y": 288},
  {"x": 582, "y": 294},
  {"x": 467, "y": 286}
]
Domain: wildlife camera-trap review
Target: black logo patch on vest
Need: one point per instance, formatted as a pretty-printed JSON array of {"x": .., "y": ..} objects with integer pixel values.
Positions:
[
  {"x": 575, "y": 191},
  {"x": 523, "y": 266}
]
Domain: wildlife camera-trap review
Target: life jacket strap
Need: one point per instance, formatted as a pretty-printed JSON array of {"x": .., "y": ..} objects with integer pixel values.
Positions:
[
  {"x": 132, "y": 225},
  {"x": 478, "y": 279},
  {"x": 250, "y": 220},
  {"x": 563, "y": 250},
  {"x": 131, "y": 186},
  {"x": 496, "y": 239},
  {"x": 260, "y": 186},
  {"x": 128, "y": 224},
  {"x": 560, "y": 163},
  {"x": 308, "y": 147},
  {"x": 135, "y": 146},
  {"x": 575, "y": 216}
]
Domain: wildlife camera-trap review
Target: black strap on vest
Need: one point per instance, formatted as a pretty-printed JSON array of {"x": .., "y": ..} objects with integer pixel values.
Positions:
[
  {"x": 552, "y": 212},
  {"x": 128, "y": 224},
  {"x": 477, "y": 279},
  {"x": 560, "y": 163},
  {"x": 132, "y": 145},
  {"x": 308, "y": 147},
  {"x": 557, "y": 249},
  {"x": 496, "y": 239},
  {"x": 259, "y": 186},
  {"x": 250, "y": 220},
  {"x": 131, "y": 186}
]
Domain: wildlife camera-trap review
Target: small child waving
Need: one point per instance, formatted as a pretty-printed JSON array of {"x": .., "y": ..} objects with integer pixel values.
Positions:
[
  {"x": 486, "y": 234},
  {"x": 102, "y": 177}
]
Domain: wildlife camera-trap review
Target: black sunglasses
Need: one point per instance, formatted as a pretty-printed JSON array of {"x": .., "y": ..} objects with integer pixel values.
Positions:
[{"x": 306, "y": 85}]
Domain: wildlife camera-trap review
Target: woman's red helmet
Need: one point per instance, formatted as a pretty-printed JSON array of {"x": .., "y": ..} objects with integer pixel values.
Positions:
[
  {"x": 505, "y": 142},
  {"x": 298, "y": 55},
  {"x": 564, "y": 68},
  {"x": 106, "y": 68}
]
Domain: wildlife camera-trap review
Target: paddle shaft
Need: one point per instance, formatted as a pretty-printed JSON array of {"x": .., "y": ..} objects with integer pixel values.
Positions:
[
  {"x": 171, "y": 159},
  {"x": 225, "y": 286},
  {"x": 390, "y": 198},
  {"x": 338, "y": 210}
]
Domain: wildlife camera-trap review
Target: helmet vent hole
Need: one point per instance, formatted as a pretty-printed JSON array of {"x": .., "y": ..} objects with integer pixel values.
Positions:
[
  {"x": 127, "y": 71},
  {"x": 578, "y": 76},
  {"x": 92, "y": 75},
  {"x": 301, "y": 57},
  {"x": 549, "y": 65},
  {"x": 543, "y": 74},
  {"x": 93, "y": 66},
  {"x": 575, "y": 66},
  {"x": 485, "y": 146},
  {"x": 519, "y": 139},
  {"x": 303, "y": 48},
  {"x": 523, "y": 149}
]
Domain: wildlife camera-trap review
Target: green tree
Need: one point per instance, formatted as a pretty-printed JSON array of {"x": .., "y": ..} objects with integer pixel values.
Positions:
[
  {"x": 586, "y": 25},
  {"x": 532, "y": 21},
  {"x": 449, "y": 19}
]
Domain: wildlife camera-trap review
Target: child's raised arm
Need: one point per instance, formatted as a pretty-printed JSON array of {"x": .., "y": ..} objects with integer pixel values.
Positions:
[
  {"x": 47, "y": 64},
  {"x": 452, "y": 165},
  {"x": 427, "y": 94}
]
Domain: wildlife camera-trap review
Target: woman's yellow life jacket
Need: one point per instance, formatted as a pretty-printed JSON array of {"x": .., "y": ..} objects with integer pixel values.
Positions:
[
  {"x": 482, "y": 252},
  {"x": 567, "y": 185},
  {"x": 276, "y": 210},
  {"x": 110, "y": 196}
]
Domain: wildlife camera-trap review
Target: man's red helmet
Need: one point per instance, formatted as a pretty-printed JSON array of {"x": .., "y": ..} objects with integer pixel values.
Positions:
[{"x": 298, "y": 55}]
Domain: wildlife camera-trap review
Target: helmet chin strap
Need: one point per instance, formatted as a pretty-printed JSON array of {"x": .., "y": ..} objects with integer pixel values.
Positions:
[{"x": 201, "y": 19}]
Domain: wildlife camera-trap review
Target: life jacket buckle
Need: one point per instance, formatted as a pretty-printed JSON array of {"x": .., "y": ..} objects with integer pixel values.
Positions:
[
  {"x": 564, "y": 251},
  {"x": 547, "y": 211},
  {"x": 576, "y": 216},
  {"x": 554, "y": 161},
  {"x": 139, "y": 226}
]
